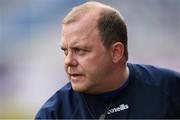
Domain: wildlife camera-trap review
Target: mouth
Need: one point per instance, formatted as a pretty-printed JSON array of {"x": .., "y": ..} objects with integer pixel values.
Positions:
[{"x": 75, "y": 76}]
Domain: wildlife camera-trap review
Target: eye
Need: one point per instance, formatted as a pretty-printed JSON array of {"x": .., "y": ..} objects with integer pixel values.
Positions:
[
  {"x": 79, "y": 51},
  {"x": 65, "y": 51}
]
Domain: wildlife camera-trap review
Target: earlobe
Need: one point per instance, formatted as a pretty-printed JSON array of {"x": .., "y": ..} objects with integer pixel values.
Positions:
[{"x": 117, "y": 52}]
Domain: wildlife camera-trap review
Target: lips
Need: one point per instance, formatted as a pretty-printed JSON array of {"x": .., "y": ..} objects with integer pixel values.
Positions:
[{"x": 75, "y": 75}]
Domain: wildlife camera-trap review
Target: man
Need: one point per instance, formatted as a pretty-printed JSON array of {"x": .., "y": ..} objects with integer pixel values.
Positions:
[{"x": 102, "y": 83}]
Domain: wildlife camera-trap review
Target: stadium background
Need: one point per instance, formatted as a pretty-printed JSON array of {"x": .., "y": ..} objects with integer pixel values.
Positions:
[{"x": 31, "y": 63}]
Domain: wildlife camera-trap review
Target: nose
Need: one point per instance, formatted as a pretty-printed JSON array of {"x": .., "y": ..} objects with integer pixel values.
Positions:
[{"x": 70, "y": 60}]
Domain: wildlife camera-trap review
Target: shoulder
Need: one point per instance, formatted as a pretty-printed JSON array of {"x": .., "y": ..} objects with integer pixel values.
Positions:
[
  {"x": 57, "y": 97},
  {"x": 154, "y": 71},
  {"x": 56, "y": 103},
  {"x": 156, "y": 76}
]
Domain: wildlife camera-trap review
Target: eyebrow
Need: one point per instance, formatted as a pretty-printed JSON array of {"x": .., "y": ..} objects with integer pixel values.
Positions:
[{"x": 76, "y": 45}]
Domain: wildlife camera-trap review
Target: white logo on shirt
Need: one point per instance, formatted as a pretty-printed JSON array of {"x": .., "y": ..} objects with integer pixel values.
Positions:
[{"x": 118, "y": 109}]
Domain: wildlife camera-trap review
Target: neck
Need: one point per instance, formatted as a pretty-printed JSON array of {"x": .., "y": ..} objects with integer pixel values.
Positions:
[
  {"x": 117, "y": 79},
  {"x": 120, "y": 77}
]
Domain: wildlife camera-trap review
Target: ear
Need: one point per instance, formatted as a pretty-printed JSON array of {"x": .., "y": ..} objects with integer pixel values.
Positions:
[{"x": 117, "y": 50}]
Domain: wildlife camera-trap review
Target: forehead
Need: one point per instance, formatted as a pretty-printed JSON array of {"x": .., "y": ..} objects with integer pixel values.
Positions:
[
  {"x": 85, "y": 22},
  {"x": 82, "y": 31}
]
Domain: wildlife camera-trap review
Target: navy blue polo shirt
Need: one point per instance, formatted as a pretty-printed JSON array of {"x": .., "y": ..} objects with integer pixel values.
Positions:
[{"x": 150, "y": 92}]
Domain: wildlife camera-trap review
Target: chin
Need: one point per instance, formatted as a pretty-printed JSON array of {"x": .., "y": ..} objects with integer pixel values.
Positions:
[{"x": 79, "y": 88}]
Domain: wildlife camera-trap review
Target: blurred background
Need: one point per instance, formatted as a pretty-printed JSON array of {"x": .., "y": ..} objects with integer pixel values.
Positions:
[{"x": 31, "y": 63}]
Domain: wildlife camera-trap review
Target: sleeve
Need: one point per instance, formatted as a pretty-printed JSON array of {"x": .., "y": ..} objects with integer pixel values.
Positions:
[
  {"x": 50, "y": 109},
  {"x": 44, "y": 114},
  {"x": 175, "y": 96}
]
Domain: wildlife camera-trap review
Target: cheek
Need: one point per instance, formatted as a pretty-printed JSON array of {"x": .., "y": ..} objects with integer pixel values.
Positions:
[
  {"x": 91, "y": 66},
  {"x": 94, "y": 64},
  {"x": 100, "y": 66}
]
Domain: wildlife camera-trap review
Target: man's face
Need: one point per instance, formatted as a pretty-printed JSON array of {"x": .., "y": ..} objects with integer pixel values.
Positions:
[{"x": 87, "y": 62}]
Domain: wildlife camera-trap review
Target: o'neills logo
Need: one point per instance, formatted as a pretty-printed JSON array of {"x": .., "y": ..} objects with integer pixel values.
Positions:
[{"x": 118, "y": 109}]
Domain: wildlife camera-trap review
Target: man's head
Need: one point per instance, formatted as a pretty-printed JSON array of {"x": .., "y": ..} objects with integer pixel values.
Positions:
[
  {"x": 110, "y": 23},
  {"x": 94, "y": 40}
]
